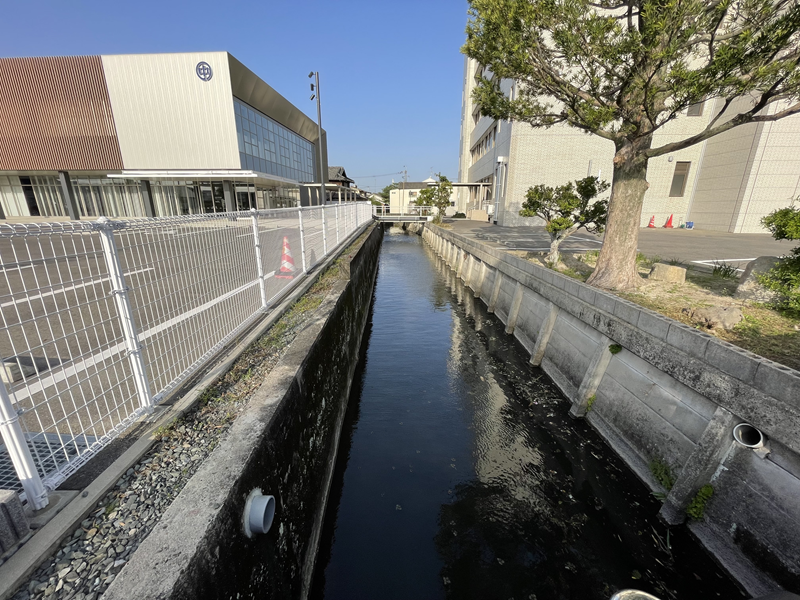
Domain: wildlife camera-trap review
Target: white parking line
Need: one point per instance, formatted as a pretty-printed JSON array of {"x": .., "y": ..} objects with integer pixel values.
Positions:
[
  {"x": 723, "y": 260},
  {"x": 68, "y": 288},
  {"x": 77, "y": 368}
]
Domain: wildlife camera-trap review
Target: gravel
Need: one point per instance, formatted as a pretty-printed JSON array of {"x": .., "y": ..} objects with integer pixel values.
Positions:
[{"x": 89, "y": 560}]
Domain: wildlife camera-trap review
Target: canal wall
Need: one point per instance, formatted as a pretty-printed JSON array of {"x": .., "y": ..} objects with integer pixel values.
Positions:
[
  {"x": 285, "y": 443},
  {"x": 666, "y": 397}
]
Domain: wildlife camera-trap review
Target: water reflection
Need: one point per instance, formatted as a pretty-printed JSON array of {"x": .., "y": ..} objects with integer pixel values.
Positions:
[{"x": 465, "y": 478}]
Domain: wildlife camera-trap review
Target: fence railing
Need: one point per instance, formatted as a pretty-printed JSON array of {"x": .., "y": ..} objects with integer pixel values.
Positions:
[
  {"x": 100, "y": 320},
  {"x": 422, "y": 213}
]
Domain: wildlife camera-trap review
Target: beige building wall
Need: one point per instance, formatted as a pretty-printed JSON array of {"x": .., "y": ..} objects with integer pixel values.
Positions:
[
  {"x": 747, "y": 173},
  {"x": 167, "y": 117},
  {"x": 734, "y": 179}
]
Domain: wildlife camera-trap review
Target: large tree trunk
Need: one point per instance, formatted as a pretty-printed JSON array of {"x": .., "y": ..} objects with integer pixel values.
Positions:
[{"x": 616, "y": 265}]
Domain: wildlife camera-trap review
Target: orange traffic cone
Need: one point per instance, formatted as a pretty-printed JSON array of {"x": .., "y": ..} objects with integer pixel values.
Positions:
[
  {"x": 287, "y": 263},
  {"x": 652, "y": 223},
  {"x": 668, "y": 224}
]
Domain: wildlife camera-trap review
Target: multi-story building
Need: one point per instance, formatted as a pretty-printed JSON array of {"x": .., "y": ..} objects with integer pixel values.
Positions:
[
  {"x": 149, "y": 135},
  {"x": 727, "y": 183}
]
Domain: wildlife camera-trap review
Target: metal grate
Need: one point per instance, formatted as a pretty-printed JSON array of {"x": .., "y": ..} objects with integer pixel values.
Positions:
[{"x": 38, "y": 445}]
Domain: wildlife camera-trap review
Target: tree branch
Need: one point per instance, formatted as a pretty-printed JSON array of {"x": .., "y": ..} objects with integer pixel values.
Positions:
[{"x": 709, "y": 132}]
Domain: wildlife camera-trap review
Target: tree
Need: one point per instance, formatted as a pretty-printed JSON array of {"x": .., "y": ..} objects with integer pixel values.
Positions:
[
  {"x": 566, "y": 209},
  {"x": 623, "y": 69},
  {"x": 437, "y": 196},
  {"x": 385, "y": 192},
  {"x": 784, "y": 278}
]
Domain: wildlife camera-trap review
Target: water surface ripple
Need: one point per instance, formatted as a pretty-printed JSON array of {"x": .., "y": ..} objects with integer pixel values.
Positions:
[{"x": 461, "y": 475}]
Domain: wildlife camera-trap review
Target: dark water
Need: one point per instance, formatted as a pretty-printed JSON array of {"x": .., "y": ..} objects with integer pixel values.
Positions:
[{"x": 460, "y": 474}]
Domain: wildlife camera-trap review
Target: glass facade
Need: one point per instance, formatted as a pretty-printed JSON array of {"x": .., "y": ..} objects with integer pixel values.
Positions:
[
  {"x": 268, "y": 147},
  {"x": 41, "y": 196}
]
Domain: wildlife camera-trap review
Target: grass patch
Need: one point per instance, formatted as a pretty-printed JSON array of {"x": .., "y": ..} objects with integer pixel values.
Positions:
[
  {"x": 663, "y": 473},
  {"x": 645, "y": 261},
  {"x": 725, "y": 271},
  {"x": 615, "y": 348},
  {"x": 769, "y": 333},
  {"x": 697, "y": 507}
]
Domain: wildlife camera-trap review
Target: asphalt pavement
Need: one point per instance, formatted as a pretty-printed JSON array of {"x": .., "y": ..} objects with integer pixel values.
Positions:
[{"x": 691, "y": 246}]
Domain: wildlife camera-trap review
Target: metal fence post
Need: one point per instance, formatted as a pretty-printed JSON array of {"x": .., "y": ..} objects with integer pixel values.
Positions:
[
  {"x": 324, "y": 234},
  {"x": 302, "y": 241},
  {"x": 337, "y": 225},
  {"x": 120, "y": 293},
  {"x": 20, "y": 454},
  {"x": 259, "y": 263}
]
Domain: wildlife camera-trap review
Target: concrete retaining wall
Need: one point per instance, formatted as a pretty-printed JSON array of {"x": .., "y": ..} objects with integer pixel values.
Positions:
[
  {"x": 284, "y": 443},
  {"x": 671, "y": 394}
]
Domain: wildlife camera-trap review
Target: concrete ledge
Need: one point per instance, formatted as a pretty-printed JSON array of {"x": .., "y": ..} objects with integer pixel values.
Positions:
[
  {"x": 681, "y": 354},
  {"x": 658, "y": 403}
]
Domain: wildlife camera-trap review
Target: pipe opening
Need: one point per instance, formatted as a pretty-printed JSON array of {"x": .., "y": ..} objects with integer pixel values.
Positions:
[
  {"x": 748, "y": 436},
  {"x": 259, "y": 512},
  {"x": 633, "y": 595}
]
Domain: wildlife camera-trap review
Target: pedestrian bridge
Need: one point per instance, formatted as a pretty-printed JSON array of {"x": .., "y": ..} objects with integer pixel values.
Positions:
[{"x": 410, "y": 214}]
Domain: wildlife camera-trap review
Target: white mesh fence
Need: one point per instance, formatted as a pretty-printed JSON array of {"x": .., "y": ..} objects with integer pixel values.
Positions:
[{"x": 100, "y": 320}]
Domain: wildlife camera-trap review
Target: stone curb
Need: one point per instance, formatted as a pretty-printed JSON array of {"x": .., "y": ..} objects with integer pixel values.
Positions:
[{"x": 752, "y": 387}]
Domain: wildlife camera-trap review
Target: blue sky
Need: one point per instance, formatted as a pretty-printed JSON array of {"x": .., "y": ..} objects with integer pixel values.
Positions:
[{"x": 391, "y": 72}]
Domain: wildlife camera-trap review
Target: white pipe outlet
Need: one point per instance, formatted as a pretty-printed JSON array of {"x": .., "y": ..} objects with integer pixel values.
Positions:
[
  {"x": 633, "y": 595},
  {"x": 259, "y": 511},
  {"x": 748, "y": 436}
]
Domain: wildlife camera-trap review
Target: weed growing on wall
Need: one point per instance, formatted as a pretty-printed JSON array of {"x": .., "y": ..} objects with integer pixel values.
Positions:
[
  {"x": 590, "y": 402},
  {"x": 663, "y": 473},
  {"x": 697, "y": 507},
  {"x": 615, "y": 348}
]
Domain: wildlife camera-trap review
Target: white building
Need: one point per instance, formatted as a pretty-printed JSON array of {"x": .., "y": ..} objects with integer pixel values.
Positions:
[{"x": 727, "y": 183}]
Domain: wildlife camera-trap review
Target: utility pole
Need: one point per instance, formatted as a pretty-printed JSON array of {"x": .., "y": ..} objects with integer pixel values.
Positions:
[{"x": 315, "y": 92}]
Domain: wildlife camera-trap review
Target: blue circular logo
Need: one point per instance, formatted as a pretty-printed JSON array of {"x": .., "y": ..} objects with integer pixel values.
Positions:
[{"x": 204, "y": 71}]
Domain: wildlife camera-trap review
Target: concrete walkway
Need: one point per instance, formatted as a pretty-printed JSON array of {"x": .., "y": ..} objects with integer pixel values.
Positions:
[{"x": 692, "y": 246}]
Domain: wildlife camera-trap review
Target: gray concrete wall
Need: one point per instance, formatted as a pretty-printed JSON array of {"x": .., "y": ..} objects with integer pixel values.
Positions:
[
  {"x": 284, "y": 443},
  {"x": 671, "y": 394}
]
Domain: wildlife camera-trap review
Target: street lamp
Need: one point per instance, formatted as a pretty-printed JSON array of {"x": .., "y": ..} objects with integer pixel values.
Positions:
[{"x": 315, "y": 93}]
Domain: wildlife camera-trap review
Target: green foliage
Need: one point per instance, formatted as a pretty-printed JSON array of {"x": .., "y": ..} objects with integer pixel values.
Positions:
[
  {"x": 676, "y": 262},
  {"x": 784, "y": 278},
  {"x": 437, "y": 196},
  {"x": 646, "y": 261},
  {"x": 697, "y": 507},
  {"x": 625, "y": 73},
  {"x": 384, "y": 193},
  {"x": 459, "y": 215},
  {"x": 567, "y": 208},
  {"x": 725, "y": 271},
  {"x": 615, "y": 348},
  {"x": 590, "y": 402},
  {"x": 663, "y": 473},
  {"x": 784, "y": 224}
]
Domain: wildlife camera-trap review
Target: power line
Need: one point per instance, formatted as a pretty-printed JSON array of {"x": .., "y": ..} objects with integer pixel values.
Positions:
[{"x": 383, "y": 175}]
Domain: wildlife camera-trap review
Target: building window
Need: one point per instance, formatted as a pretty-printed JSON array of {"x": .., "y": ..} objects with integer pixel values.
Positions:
[
  {"x": 679, "y": 179},
  {"x": 695, "y": 110},
  {"x": 269, "y": 147}
]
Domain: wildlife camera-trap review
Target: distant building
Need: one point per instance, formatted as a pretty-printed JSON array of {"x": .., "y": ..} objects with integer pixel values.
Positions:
[
  {"x": 404, "y": 197},
  {"x": 338, "y": 176},
  {"x": 148, "y": 135},
  {"x": 727, "y": 183}
]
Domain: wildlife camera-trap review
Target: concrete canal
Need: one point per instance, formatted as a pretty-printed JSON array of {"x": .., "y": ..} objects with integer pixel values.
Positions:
[{"x": 461, "y": 475}]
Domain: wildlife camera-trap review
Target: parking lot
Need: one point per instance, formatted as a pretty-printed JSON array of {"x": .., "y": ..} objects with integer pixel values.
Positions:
[
  {"x": 691, "y": 246},
  {"x": 67, "y": 362}
]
